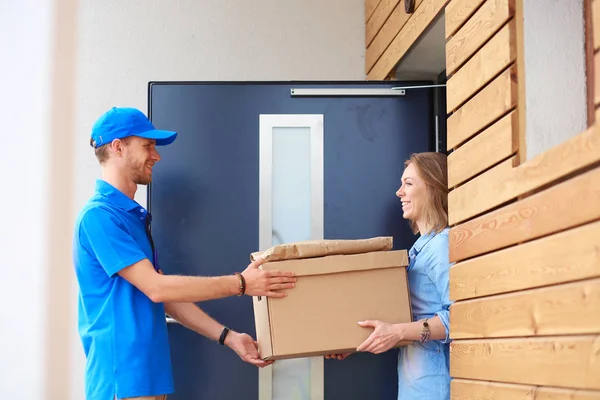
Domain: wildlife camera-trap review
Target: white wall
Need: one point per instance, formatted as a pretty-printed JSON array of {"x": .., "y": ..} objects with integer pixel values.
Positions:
[
  {"x": 555, "y": 81},
  {"x": 125, "y": 44},
  {"x": 24, "y": 230},
  {"x": 35, "y": 169}
]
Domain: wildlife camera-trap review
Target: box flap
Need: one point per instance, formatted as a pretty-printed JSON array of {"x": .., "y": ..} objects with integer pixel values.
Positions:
[
  {"x": 320, "y": 248},
  {"x": 341, "y": 263}
]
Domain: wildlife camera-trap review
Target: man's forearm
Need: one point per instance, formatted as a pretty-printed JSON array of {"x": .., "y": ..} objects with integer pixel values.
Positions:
[
  {"x": 192, "y": 317},
  {"x": 192, "y": 289}
]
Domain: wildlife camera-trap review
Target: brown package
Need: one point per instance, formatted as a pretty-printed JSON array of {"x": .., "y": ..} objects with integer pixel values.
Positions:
[{"x": 319, "y": 248}]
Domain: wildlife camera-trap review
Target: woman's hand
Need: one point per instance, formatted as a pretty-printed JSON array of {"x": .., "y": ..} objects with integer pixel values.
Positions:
[
  {"x": 384, "y": 336},
  {"x": 337, "y": 356}
]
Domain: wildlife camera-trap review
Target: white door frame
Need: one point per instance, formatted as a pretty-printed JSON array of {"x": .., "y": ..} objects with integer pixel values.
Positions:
[{"x": 266, "y": 125}]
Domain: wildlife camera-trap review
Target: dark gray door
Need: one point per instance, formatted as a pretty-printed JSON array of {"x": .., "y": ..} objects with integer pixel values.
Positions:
[{"x": 205, "y": 205}]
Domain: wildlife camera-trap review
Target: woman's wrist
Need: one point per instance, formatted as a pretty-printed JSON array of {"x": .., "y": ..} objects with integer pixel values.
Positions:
[
  {"x": 400, "y": 331},
  {"x": 409, "y": 331}
]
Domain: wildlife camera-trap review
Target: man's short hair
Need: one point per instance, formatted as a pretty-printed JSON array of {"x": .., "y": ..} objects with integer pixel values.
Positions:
[{"x": 101, "y": 152}]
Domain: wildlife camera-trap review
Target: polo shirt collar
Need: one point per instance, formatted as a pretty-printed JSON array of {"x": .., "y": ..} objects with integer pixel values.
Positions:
[{"x": 116, "y": 197}]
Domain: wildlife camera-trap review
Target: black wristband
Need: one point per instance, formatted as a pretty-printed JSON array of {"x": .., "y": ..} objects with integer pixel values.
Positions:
[{"x": 223, "y": 335}]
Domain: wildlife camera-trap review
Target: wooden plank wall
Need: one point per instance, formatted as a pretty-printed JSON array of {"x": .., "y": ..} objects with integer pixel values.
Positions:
[
  {"x": 525, "y": 234},
  {"x": 390, "y": 32}
]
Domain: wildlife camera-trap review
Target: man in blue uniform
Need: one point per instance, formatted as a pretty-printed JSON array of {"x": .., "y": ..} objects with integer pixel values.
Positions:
[{"x": 123, "y": 294}]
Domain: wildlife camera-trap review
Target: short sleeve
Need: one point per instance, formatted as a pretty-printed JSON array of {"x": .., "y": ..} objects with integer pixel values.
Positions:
[{"x": 104, "y": 236}]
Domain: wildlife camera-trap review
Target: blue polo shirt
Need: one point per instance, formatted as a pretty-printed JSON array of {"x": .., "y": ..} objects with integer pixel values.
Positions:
[{"x": 124, "y": 333}]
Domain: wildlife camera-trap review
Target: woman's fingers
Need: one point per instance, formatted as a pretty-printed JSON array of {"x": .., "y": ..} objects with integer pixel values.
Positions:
[
  {"x": 367, "y": 344},
  {"x": 337, "y": 356}
]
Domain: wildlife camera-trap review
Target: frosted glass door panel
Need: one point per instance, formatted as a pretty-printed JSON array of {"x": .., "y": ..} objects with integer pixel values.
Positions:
[
  {"x": 291, "y": 185},
  {"x": 291, "y": 210}
]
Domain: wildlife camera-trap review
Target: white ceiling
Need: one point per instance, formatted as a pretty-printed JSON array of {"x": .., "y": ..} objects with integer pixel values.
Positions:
[{"x": 427, "y": 59}]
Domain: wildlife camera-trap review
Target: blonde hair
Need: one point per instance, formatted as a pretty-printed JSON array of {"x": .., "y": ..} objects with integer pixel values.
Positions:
[
  {"x": 433, "y": 170},
  {"x": 102, "y": 151}
]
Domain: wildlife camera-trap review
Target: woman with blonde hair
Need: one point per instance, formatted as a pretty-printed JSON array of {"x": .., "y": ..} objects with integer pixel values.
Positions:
[{"x": 423, "y": 365}]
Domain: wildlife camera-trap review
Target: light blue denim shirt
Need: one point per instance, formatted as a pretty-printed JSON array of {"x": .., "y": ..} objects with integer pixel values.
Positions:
[{"x": 423, "y": 368}]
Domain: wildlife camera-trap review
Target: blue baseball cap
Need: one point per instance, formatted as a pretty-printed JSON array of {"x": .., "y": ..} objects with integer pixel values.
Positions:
[{"x": 122, "y": 122}]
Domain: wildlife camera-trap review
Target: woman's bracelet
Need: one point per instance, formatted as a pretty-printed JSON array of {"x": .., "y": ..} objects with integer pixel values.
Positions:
[{"x": 425, "y": 332}]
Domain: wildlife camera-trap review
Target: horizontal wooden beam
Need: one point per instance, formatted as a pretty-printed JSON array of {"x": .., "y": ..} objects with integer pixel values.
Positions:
[
  {"x": 491, "y": 103},
  {"x": 474, "y": 197},
  {"x": 463, "y": 389},
  {"x": 420, "y": 20},
  {"x": 380, "y": 15},
  {"x": 370, "y": 6},
  {"x": 458, "y": 12},
  {"x": 484, "y": 66},
  {"x": 502, "y": 183},
  {"x": 571, "y": 308},
  {"x": 485, "y": 150},
  {"x": 388, "y": 32},
  {"x": 563, "y": 206},
  {"x": 486, "y": 21},
  {"x": 565, "y": 361},
  {"x": 542, "y": 262}
]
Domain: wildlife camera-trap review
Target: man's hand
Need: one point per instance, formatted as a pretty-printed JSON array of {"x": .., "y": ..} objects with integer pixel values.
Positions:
[
  {"x": 246, "y": 348},
  {"x": 266, "y": 283},
  {"x": 384, "y": 337}
]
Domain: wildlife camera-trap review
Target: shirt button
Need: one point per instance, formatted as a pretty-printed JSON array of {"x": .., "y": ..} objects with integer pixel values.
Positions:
[
  {"x": 141, "y": 210},
  {"x": 141, "y": 218}
]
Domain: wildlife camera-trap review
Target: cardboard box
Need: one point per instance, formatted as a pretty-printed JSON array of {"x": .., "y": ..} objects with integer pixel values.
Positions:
[{"x": 320, "y": 315}]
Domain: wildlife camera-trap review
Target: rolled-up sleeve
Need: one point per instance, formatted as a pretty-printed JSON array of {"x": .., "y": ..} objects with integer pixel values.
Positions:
[{"x": 439, "y": 273}]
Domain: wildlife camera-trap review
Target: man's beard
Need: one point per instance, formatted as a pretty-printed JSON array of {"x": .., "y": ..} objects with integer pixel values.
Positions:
[
  {"x": 141, "y": 178},
  {"x": 139, "y": 174}
]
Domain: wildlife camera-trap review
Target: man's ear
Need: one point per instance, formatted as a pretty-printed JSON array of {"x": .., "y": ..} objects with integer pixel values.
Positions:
[{"x": 117, "y": 146}]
